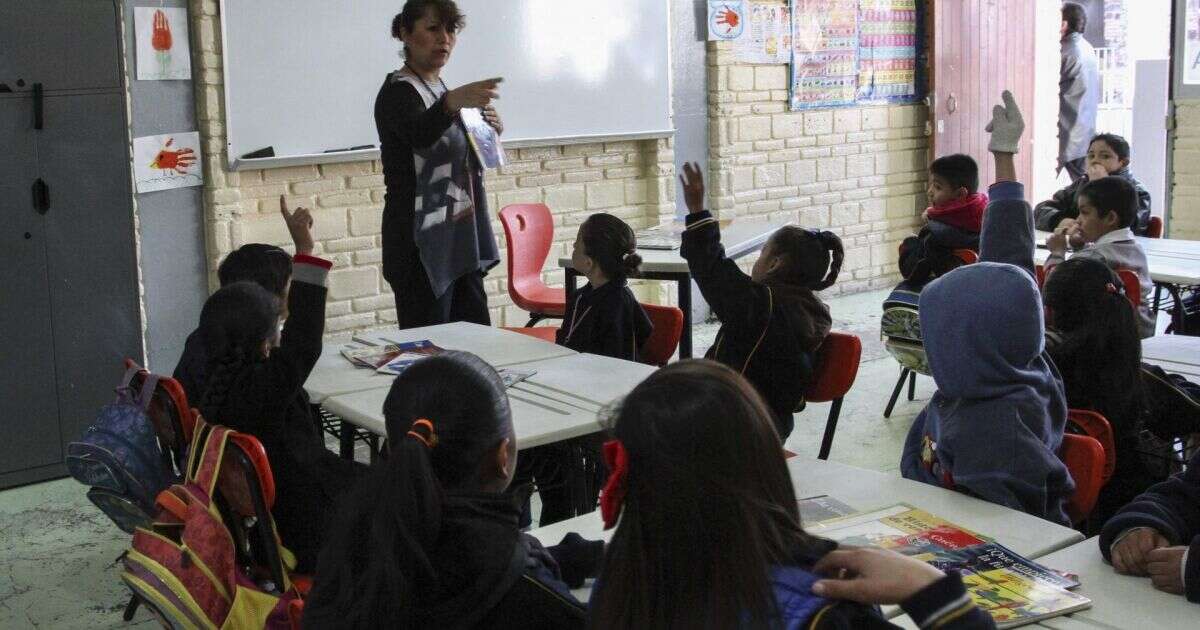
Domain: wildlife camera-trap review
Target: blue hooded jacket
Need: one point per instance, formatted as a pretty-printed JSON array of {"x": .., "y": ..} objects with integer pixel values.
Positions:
[{"x": 994, "y": 427}]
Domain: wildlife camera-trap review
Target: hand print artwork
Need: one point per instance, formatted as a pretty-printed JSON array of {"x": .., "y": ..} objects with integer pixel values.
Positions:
[
  {"x": 167, "y": 161},
  {"x": 162, "y": 43},
  {"x": 726, "y": 19}
]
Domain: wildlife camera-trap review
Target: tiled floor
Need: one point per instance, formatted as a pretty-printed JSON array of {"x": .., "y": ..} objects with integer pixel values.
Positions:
[{"x": 58, "y": 553}]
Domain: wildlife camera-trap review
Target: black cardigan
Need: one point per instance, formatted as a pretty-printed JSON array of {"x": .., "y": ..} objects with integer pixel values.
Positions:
[{"x": 608, "y": 321}]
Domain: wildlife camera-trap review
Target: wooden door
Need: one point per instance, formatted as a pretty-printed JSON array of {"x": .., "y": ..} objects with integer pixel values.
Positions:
[{"x": 980, "y": 48}]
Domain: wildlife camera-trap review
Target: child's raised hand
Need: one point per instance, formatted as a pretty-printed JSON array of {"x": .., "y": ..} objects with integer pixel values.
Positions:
[
  {"x": 872, "y": 576},
  {"x": 1163, "y": 566},
  {"x": 693, "y": 187},
  {"x": 1006, "y": 127},
  {"x": 299, "y": 224},
  {"x": 1129, "y": 555}
]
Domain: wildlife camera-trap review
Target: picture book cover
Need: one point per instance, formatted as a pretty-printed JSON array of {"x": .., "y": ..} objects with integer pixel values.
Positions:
[
  {"x": 901, "y": 528},
  {"x": 484, "y": 139},
  {"x": 408, "y": 354},
  {"x": 373, "y": 357}
]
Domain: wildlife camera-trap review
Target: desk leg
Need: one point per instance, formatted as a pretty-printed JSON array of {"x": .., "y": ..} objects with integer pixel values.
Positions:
[
  {"x": 570, "y": 280},
  {"x": 346, "y": 440},
  {"x": 1177, "y": 314},
  {"x": 685, "y": 305}
]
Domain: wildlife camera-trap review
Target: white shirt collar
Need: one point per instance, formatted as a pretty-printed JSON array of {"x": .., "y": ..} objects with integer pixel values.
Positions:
[{"x": 1123, "y": 234}]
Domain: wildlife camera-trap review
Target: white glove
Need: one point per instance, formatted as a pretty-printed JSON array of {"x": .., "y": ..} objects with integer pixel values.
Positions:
[{"x": 1006, "y": 127}]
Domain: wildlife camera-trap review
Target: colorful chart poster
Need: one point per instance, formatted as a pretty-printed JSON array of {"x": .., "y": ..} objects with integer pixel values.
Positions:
[
  {"x": 1191, "y": 44},
  {"x": 768, "y": 38},
  {"x": 887, "y": 50},
  {"x": 825, "y": 53}
]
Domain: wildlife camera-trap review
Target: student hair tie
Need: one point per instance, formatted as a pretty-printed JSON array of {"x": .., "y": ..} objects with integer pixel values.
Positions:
[
  {"x": 1111, "y": 288},
  {"x": 612, "y": 496},
  {"x": 422, "y": 431}
]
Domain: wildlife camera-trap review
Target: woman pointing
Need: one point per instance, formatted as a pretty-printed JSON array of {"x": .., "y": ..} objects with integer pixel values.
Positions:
[{"x": 437, "y": 235}]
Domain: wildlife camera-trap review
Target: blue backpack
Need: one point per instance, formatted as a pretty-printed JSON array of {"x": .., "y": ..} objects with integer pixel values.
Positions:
[{"x": 120, "y": 458}]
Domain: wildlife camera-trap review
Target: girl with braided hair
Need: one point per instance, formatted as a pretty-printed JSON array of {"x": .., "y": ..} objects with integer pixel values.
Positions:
[
  {"x": 253, "y": 382},
  {"x": 772, "y": 321}
]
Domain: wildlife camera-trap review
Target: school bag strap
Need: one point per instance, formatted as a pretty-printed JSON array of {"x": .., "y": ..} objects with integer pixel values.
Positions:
[{"x": 206, "y": 454}]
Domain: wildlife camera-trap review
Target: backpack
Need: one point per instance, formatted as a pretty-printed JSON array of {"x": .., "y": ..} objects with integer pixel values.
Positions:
[
  {"x": 901, "y": 325},
  {"x": 120, "y": 458},
  {"x": 185, "y": 566}
]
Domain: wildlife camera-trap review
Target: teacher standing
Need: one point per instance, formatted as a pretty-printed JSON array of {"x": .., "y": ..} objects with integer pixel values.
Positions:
[{"x": 437, "y": 236}]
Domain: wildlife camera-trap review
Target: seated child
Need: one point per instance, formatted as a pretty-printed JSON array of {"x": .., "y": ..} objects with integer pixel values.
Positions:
[
  {"x": 709, "y": 532},
  {"x": 1106, "y": 207},
  {"x": 994, "y": 427},
  {"x": 1095, "y": 345},
  {"x": 430, "y": 538},
  {"x": 1108, "y": 156},
  {"x": 772, "y": 321},
  {"x": 1158, "y": 535},
  {"x": 604, "y": 317},
  {"x": 954, "y": 218},
  {"x": 253, "y": 382}
]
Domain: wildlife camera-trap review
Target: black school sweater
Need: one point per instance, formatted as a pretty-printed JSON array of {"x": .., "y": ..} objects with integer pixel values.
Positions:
[
  {"x": 269, "y": 403},
  {"x": 769, "y": 332},
  {"x": 608, "y": 321}
]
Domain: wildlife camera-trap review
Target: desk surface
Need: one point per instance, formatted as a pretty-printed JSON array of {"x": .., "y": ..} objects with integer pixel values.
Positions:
[
  {"x": 1179, "y": 354},
  {"x": 1172, "y": 261},
  {"x": 334, "y": 375},
  {"x": 740, "y": 237},
  {"x": 866, "y": 490},
  {"x": 1118, "y": 601}
]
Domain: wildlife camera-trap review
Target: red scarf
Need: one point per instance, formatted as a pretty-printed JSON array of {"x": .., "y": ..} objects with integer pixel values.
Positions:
[{"x": 964, "y": 214}]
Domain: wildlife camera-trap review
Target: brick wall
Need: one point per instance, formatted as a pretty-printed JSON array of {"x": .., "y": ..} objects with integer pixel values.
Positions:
[
  {"x": 633, "y": 180},
  {"x": 1184, "y": 179},
  {"x": 857, "y": 171}
]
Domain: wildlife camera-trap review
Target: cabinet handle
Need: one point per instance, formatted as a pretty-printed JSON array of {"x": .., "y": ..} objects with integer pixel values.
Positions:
[
  {"x": 41, "y": 196},
  {"x": 38, "y": 118}
]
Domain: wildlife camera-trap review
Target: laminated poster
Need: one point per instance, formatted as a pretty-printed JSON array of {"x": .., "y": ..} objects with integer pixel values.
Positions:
[
  {"x": 162, "y": 43},
  {"x": 769, "y": 35},
  {"x": 167, "y": 161},
  {"x": 887, "y": 50},
  {"x": 825, "y": 53}
]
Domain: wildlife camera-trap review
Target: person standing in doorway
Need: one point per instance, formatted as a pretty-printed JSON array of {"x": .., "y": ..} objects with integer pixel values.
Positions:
[
  {"x": 1078, "y": 93},
  {"x": 437, "y": 233}
]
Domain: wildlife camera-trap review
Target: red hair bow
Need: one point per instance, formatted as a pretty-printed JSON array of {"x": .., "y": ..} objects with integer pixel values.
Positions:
[{"x": 612, "y": 497}]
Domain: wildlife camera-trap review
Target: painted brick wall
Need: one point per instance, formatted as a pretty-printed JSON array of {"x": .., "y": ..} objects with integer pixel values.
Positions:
[
  {"x": 859, "y": 171},
  {"x": 632, "y": 180},
  {"x": 1185, "y": 175}
]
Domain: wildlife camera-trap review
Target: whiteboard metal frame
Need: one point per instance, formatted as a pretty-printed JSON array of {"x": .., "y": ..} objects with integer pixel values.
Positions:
[{"x": 363, "y": 155}]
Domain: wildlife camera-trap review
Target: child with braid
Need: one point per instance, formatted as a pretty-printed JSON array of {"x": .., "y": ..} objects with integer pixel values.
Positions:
[{"x": 253, "y": 384}]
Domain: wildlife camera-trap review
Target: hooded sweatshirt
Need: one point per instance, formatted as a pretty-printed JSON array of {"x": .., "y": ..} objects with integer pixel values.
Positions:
[
  {"x": 1065, "y": 204},
  {"x": 994, "y": 427},
  {"x": 964, "y": 214},
  {"x": 769, "y": 331}
]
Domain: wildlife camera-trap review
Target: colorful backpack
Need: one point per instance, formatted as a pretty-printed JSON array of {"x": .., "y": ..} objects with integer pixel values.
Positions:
[
  {"x": 120, "y": 458},
  {"x": 185, "y": 564}
]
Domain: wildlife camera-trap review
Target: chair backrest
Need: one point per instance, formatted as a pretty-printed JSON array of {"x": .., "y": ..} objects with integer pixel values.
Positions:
[
  {"x": 1133, "y": 287},
  {"x": 1039, "y": 273},
  {"x": 1094, "y": 425},
  {"x": 668, "y": 326},
  {"x": 173, "y": 420},
  {"x": 1154, "y": 229},
  {"x": 837, "y": 367},
  {"x": 528, "y": 234},
  {"x": 247, "y": 489},
  {"x": 967, "y": 256},
  {"x": 1084, "y": 458}
]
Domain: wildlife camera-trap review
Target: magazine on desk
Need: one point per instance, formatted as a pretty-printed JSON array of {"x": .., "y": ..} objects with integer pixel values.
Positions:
[
  {"x": 1014, "y": 590},
  {"x": 393, "y": 358}
]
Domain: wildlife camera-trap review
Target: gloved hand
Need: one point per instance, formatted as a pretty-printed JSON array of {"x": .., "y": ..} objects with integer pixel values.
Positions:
[{"x": 1006, "y": 127}]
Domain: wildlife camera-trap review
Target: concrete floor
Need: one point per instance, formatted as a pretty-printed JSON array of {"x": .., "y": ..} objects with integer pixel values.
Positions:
[{"x": 58, "y": 553}]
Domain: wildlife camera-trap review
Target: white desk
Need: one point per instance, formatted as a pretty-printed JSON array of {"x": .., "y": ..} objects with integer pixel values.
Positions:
[
  {"x": 590, "y": 379},
  {"x": 334, "y": 375},
  {"x": 1177, "y": 354},
  {"x": 866, "y": 490},
  {"x": 1118, "y": 601},
  {"x": 740, "y": 238}
]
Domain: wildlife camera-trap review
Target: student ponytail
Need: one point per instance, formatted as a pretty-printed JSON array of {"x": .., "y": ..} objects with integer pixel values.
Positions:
[
  {"x": 612, "y": 244},
  {"x": 809, "y": 258},
  {"x": 235, "y": 323},
  {"x": 444, "y": 414}
]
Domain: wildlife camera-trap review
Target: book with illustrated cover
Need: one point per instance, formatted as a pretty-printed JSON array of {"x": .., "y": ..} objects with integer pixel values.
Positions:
[
  {"x": 483, "y": 137},
  {"x": 408, "y": 354},
  {"x": 373, "y": 357},
  {"x": 1014, "y": 590}
]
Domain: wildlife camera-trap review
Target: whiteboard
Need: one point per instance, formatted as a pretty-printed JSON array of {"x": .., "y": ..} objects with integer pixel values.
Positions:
[{"x": 301, "y": 76}]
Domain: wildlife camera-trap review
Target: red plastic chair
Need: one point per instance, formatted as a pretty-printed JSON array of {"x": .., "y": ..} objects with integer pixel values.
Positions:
[
  {"x": 529, "y": 233},
  {"x": 1096, "y": 426},
  {"x": 173, "y": 420},
  {"x": 968, "y": 256},
  {"x": 668, "y": 326},
  {"x": 1133, "y": 287},
  {"x": 837, "y": 367},
  {"x": 1154, "y": 229},
  {"x": 545, "y": 333},
  {"x": 1085, "y": 460}
]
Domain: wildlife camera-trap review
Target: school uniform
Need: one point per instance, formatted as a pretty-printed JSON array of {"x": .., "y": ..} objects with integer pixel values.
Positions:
[
  {"x": 608, "y": 321},
  {"x": 268, "y": 402},
  {"x": 490, "y": 574},
  {"x": 1119, "y": 250},
  {"x": 1172, "y": 508},
  {"x": 951, "y": 226},
  {"x": 1065, "y": 204},
  {"x": 769, "y": 332},
  {"x": 994, "y": 427}
]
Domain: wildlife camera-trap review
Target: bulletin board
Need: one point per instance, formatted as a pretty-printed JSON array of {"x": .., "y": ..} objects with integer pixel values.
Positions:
[{"x": 854, "y": 52}]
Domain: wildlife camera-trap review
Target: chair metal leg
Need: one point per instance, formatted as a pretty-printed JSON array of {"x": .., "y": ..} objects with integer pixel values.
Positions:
[
  {"x": 534, "y": 318},
  {"x": 830, "y": 428},
  {"x": 887, "y": 413},
  {"x": 131, "y": 608},
  {"x": 912, "y": 385}
]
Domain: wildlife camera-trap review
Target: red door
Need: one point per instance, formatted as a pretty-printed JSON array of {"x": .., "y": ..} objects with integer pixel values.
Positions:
[{"x": 980, "y": 48}]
